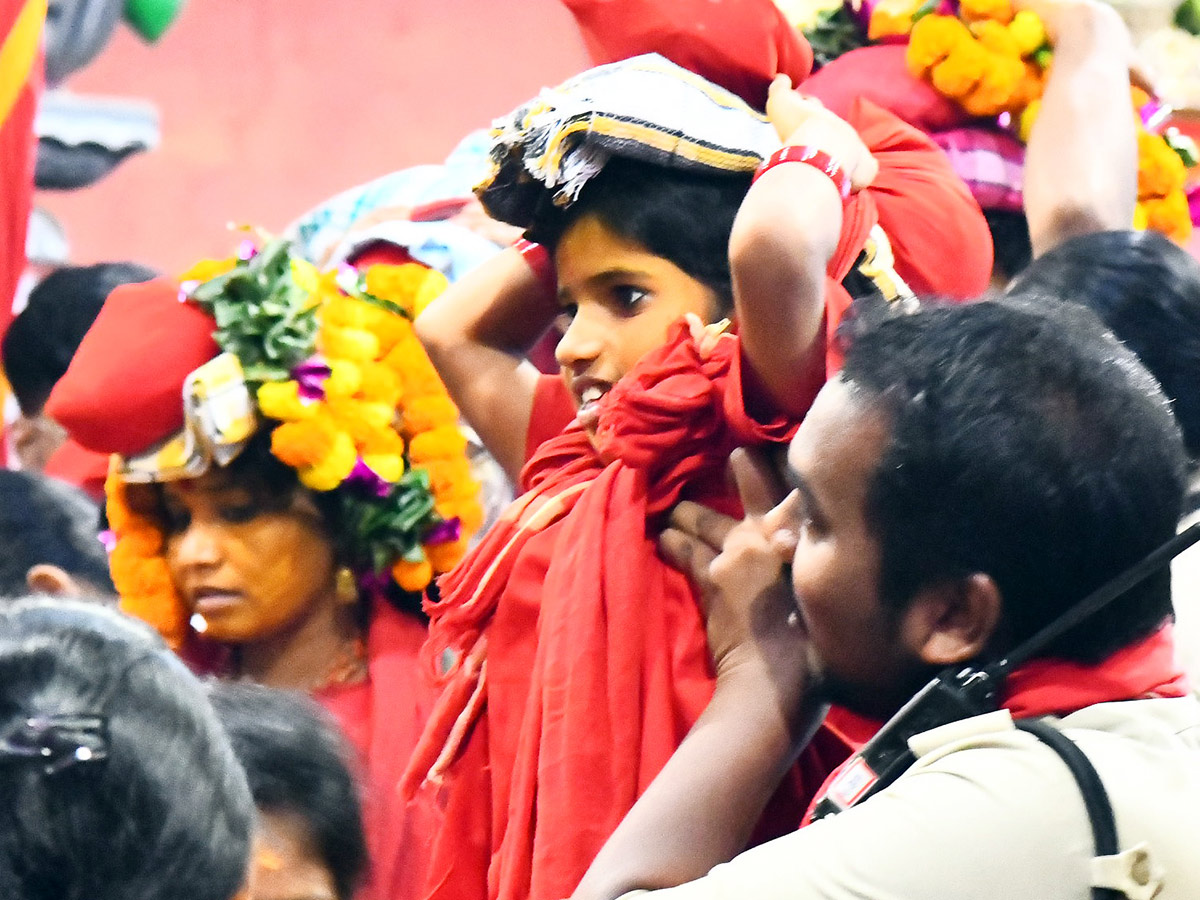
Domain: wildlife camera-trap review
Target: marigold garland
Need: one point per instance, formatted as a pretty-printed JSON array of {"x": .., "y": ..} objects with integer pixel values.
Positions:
[
  {"x": 993, "y": 61},
  {"x": 362, "y": 411}
]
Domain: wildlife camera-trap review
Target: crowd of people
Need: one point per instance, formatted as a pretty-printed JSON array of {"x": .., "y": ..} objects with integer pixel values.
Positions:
[{"x": 710, "y": 506}]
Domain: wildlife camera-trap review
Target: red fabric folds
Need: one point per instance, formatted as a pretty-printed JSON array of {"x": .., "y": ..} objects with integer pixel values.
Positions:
[
  {"x": 739, "y": 46},
  {"x": 382, "y": 718}
]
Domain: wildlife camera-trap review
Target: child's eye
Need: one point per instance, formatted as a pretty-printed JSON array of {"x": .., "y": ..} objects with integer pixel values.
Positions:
[
  {"x": 176, "y": 518},
  {"x": 564, "y": 319},
  {"x": 629, "y": 296}
]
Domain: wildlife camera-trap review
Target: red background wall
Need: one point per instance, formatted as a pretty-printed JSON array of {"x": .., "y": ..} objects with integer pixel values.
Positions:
[{"x": 269, "y": 106}]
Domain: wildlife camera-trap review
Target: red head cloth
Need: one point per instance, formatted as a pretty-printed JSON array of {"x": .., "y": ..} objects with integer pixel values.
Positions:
[
  {"x": 738, "y": 45},
  {"x": 124, "y": 390}
]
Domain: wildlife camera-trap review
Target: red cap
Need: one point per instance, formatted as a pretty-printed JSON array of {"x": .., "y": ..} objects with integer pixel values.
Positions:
[
  {"x": 123, "y": 392},
  {"x": 740, "y": 46}
]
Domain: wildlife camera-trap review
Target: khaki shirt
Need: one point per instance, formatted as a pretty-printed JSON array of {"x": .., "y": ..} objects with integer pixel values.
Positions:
[{"x": 991, "y": 812}]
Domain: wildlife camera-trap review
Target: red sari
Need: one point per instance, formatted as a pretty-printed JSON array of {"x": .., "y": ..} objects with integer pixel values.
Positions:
[{"x": 580, "y": 655}]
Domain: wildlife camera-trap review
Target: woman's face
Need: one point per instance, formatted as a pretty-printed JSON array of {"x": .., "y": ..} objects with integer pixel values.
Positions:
[
  {"x": 248, "y": 570},
  {"x": 619, "y": 300}
]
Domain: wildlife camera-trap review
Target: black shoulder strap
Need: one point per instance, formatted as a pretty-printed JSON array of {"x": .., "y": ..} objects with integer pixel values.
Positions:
[{"x": 1095, "y": 798}]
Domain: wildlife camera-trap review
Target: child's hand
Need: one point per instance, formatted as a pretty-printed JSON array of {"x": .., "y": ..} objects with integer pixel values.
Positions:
[{"x": 801, "y": 120}]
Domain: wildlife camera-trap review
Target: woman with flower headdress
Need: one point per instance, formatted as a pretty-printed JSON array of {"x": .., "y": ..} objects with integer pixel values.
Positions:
[
  {"x": 288, "y": 476},
  {"x": 573, "y": 657}
]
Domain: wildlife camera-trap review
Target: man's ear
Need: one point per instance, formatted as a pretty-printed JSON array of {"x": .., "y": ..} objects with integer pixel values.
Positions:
[
  {"x": 45, "y": 578},
  {"x": 953, "y": 621}
]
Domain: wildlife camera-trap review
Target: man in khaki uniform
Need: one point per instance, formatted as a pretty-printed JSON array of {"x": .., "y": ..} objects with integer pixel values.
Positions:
[{"x": 970, "y": 475}]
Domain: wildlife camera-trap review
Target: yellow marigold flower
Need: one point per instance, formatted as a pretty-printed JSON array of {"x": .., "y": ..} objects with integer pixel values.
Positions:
[
  {"x": 957, "y": 75},
  {"x": 996, "y": 37},
  {"x": 413, "y": 576},
  {"x": 418, "y": 377},
  {"x": 429, "y": 412},
  {"x": 1160, "y": 169},
  {"x": 440, "y": 443},
  {"x": 345, "y": 378},
  {"x": 974, "y": 10},
  {"x": 359, "y": 418},
  {"x": 1141, "y": 219},
  {"x": 890, "y": 20},
  {"x": 391, "y": 329},
  {"x": 387, "y": 466},
  {"x": 933, "y": 37},
  {"x": 348, "y": 343},
  {"x": 445, "y": 556},
  {"x": 333, "y": 469},
  {"x": 1027, "y": 31},
  {"x": 380, "y": 384},
  {"x": 345, "y": 312},
  {"x": 398, "y": 284},
  {"x": 281, "y": 400},
  {"x": 467, "y": 510},
  {"x": 997, "y": 87},
  {"x": 1169, "y": 215},
  {"x": 433, "y": 285},
  {"x": 208, "y": 269}
]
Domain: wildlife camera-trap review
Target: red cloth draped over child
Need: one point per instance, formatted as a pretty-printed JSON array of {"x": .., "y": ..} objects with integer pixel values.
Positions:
[{"x": 581, "y": 655}]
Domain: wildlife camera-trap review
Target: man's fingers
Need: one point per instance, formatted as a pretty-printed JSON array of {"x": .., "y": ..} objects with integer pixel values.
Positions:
[
  {"x": 757, "y": 481},
  {"x": 691, "y": 556},
  {"x": 702, "y": 523}
]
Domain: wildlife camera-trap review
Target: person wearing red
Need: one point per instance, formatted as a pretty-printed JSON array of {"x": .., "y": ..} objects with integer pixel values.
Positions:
[
  {"x": 573, "y": 657},
  {"x": 278, "y": 503}
]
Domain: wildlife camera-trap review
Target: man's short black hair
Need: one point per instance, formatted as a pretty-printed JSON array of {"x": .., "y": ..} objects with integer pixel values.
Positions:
[
  {"x": 43, "y": 520},
  {"x": 1028, "y": 445},
  {"x": 1147, "y": 290},
  {"x": 296, "y": 762},
  {"x": 42, "y": 339},
  {"x": 1011, "y": 244},
  {"x": 683, "y": 216}
]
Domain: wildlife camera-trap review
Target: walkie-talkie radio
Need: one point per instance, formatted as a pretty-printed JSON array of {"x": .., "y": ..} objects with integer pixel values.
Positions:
[{"x": 961, "y": 692}]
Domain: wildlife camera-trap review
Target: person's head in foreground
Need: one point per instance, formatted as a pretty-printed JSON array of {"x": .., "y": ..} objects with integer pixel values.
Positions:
[
  {"x": 309, "y": 839},
  {"x": 971, "y": 474},
  {"x": 49, "y": 538},
  {"x": 116, "y": 781},
  {"x": 1146, "y": 289},
  {"x": 313, "y": 467}
]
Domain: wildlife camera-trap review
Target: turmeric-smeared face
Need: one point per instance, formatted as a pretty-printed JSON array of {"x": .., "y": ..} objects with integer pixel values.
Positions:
[
  {"x": 619, "y": 300},
  {"x": 250, "y": 570}
]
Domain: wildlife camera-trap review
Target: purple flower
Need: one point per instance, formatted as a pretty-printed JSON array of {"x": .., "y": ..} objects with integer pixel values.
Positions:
[
  {"x": 363, "y": 476},
  {"x": 444, "y": 532},
  {"x": 246, "y": 250},
  {"x": 371, "y": 582},
  {"x": 1152, "y": 114},
  {"x": 185, "y": 290},
  {"x": 1194, "y": 204},
  {"x": 108, "y": 540},
  {"x": 310, "y": 378}
]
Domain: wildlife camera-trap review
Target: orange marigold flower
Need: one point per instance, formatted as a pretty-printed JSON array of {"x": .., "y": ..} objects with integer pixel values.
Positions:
[
  {"x": 380, "y": 384},
  {"x": 445, "y": 475},
  {"x": 445, "y": 556},
  {"x": 1160, "y": 169},
  {"x": 467, "y": 510},
  {"x": 399, "y": 284},
  {"x": 1029, "y": 88},
  {"x": 391, "y": 329},
  {"x": 440, "y": 443},
  {"x": 996, "y": 37},
  {"x": 997, "y": 87},
  {"x": 433, "y": 285},
  {"x": 1169, "y": 215},
  {"x": 957, "y": 75},
  {"x": 355, "y": 344},
  {"x": 331, "y": 471},
  {"x": 382, "y": 442},
  {"x": 306, "y": 443},
  {"x": 933, "y": 37},
  {"x": 974, "y": 10},
  {"x": 148, "y": 593},
  {"x": 429, "y": 412},
  {"x": 413, "y": 576}
]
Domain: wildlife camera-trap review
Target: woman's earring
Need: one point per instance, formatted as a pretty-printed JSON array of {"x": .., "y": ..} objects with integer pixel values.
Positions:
[{"x": 346, "y": 586}]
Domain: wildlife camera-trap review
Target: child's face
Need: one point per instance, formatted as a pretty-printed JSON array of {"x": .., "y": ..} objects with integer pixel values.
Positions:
[{"x": 619, "y": 300}]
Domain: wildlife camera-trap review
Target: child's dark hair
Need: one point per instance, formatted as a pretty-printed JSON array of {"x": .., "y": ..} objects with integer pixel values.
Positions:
[
  {"x": 297, "y": 762},
  {"x": 685, "y": 217},
  {"x": 42, "y": 339}
]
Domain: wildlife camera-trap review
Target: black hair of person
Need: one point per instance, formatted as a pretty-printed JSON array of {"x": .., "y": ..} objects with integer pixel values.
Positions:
[
  {"x": 166, "y": 813},
  {"x": 43, "y": 337},
  {"x": 1011, "y": 244},
  {"x": 683, "y": 216},
  {"x": 46, "y": 521},
  {"x": 273, "y": 487},
  {"x": 297, "y": 762},
  {"x": 1027, "y": 444},
  {"x": 1147, "y": 290}
]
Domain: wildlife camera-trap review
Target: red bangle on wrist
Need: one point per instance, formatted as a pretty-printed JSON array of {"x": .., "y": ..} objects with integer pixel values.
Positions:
[
  {"x": 818, "y": 159},
  {"x": 538, "y": 259}
]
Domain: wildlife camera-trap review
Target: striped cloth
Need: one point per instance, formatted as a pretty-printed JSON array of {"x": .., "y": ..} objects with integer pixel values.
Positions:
[
  {"x": 992, "y": 164},
  {"x": 644, "y": 108}
]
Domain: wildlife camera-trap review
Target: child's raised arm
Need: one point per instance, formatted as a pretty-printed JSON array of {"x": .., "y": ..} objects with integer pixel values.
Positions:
[
  {"x": 477, "y": 333},
  {"x": 784, "y": 236}
]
